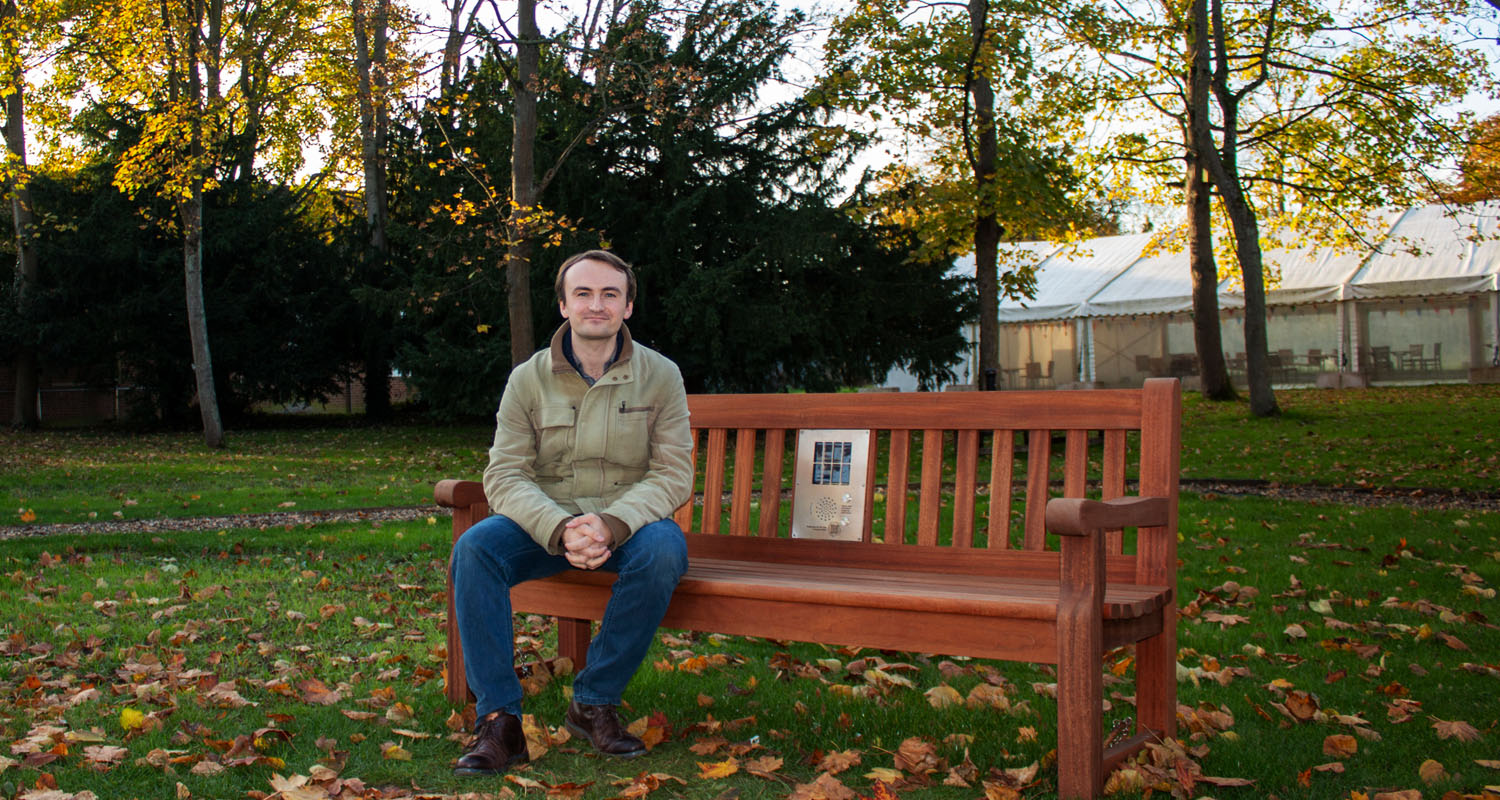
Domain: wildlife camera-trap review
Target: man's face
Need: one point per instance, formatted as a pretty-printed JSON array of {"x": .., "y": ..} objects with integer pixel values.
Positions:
[{"x": 594, "y": 299}]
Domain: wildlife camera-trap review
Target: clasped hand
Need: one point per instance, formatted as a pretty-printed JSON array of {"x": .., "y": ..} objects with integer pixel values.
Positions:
[{"x": 586, "y": 541}]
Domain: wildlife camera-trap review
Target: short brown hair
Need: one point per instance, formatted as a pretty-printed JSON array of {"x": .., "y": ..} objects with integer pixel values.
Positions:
[{"x": 596, "y": 255}]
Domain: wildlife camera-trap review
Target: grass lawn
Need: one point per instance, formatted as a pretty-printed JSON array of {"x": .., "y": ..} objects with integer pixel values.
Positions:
[{"x": 1326, "y": 651}]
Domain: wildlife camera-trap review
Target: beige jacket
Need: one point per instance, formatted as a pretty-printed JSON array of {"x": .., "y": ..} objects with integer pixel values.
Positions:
[{"x": 621, "y": 448}]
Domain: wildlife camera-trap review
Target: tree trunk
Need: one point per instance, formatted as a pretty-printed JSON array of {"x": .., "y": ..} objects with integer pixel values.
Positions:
[
  {"x": 452, "y": 45},
  {"x": 1213, "y": 373},
  {"x": 1247, "y": 249},
  {"x": 518, "y": 250},
  {"x": 191, "y": 210},
  {"x": 374, "y": 116},
  {"x": 1223, "y": 167},
  {"x": 28, "y": 266},
  {"x": 987, "y": 229}
]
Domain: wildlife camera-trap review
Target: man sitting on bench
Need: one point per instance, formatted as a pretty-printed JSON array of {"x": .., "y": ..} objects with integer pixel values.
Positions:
[{"x": 592, "y": 454}]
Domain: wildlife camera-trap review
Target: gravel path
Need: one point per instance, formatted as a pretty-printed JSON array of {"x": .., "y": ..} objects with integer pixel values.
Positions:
[
  {"x": 267, "y": 520},
  {"x": 1406, "y": 497}
]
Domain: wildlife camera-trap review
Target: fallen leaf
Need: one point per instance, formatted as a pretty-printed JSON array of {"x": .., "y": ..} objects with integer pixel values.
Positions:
[
  {"x": 104, "y": 755},
  {"x": 394, "y": 752},
  {"x": 763, "y": 767},
  {"x": 837, "y": 762},
  {"x": 826, "y": 787},
  {"x": 1432, "y": 772},
  {"x": 715, "y": 770},
  {"x": 1301, "y": 705},
  {"x": 316, "y": 692},
  {"x": 1340, "y": 745},
  {"x": 943, "y": 696},
  {"x": 1226, "y": 782},
  {"x": 1452, "y": 641},
  {"x": 917, "y": 756},
  {"x": 987, "y": 695},
  {"x": 1457, "y": 729}
]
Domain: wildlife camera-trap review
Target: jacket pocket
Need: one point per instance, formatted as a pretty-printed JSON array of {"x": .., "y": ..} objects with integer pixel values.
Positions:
[
  {"x": 554, "y": 426},
  {"x": 630, "y": 434}
]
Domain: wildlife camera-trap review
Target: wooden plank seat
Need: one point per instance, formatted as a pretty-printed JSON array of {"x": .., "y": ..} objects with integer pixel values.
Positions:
[{"x": 930, "y": 579}]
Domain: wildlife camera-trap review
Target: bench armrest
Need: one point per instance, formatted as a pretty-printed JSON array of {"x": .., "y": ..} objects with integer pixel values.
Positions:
[
  {"x": 1076, "y": 516},
  {"x": 453, "y": 493}
]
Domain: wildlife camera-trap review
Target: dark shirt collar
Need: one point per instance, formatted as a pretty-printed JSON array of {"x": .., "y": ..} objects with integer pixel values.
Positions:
[{"x": 567, "y": 349}]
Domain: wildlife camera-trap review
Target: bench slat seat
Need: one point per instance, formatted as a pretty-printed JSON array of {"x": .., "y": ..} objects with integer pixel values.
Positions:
[
  {"x": 1046, "y": 553},
  {"x": 822, "y": 585}
]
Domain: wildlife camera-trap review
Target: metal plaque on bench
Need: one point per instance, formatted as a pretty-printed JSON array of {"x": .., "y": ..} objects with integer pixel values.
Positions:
[{"x": 828, "y": 498}]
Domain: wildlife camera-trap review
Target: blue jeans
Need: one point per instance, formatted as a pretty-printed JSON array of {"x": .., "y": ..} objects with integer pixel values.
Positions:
[{"x": 496, "y": 554}]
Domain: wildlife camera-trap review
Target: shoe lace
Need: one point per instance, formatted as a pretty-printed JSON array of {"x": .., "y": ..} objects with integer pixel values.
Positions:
[{"x": 488, "y": 727}]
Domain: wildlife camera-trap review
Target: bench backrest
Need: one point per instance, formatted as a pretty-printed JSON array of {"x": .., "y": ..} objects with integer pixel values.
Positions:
[{"x": 957, "y": 452}]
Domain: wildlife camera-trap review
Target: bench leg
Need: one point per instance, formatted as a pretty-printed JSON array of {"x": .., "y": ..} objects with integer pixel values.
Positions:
[
  {"x": 1080, "y": 680},
  {"x": 573, "y": 636},
  {"x": 1156, "y": 679},
  {"x": 456, "y": 681}
]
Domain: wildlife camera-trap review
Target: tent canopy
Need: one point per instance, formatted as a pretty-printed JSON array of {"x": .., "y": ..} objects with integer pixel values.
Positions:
[{"x": 1420, "y": 252}]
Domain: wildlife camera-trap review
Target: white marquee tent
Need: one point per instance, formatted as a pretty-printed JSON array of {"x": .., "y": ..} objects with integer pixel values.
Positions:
[{"x": 1422, "y": 305}]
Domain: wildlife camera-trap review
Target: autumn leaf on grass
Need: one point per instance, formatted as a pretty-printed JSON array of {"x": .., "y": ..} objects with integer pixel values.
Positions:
[
  {"x": 943, "y": 696},
  {"x": 883, "y": 791},
  {"x": 999, "y": 791},
  {"x": 1432, "y": 772},
  {"x": 917, "y": 756},
  {"x": 987, "y": 695},
  {"x": 1340, "y": 745},
  {"x": 297, "y": 787},
  {"x": 639, "y": 786},
  {"x": 1224, "y": 620},
  {"x": 652, "y": 730},
  {"x": 826, "y": 787},
  {"x": 103, "y": 756},
  {"x": 885, "y": 774},
  {"x": 316, "y": 692},
  {"x": 715, "y": 770},
  {"x": 837, "y": 762},
  {"x": 394, "y": 752},
  {"x": 207, "y": 769},
  {"x": 130, "y": 718},
  {"x": 1457, "y": 729},
  {"x": 708, "y": 745},
  {"x": 1300, "y": 705},
  {"x": 1451, "y": 641},
  {"x": 763, "y": 767},
  {"x": 399, "y": 713},
  {"x": 538, "y": 739}
]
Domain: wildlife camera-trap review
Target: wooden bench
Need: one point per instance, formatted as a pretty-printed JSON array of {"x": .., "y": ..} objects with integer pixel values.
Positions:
[{"x": 995, "y": 590}]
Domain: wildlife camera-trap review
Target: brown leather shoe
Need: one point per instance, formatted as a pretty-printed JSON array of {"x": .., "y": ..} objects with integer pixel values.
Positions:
[
  {"x": 498, "y": 744},
  {"x": 601, "y": 726}
]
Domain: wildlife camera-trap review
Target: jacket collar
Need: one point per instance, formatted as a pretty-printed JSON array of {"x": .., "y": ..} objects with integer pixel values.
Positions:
[{"x": 560, "y": 363}]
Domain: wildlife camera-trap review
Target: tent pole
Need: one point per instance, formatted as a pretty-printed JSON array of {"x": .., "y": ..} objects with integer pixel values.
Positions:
[
  {"x": 1495, "y": 327},
  {"x": 1093, "y": 362}
]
